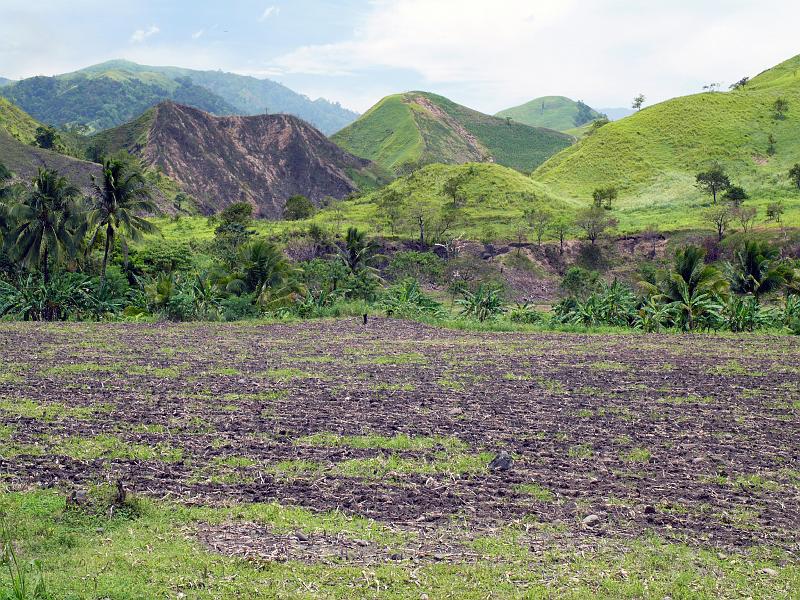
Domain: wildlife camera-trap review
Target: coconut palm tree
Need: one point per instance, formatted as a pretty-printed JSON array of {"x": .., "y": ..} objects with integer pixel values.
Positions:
[
  {"x": 121, "y": 197},
  {"x": 359, "y": 253},
  {"x": 48, "y": 223},
  {"x": 757, "y": 270},
  {"x": 266, "y": 272},
  {"x": 691, "y": 287}
]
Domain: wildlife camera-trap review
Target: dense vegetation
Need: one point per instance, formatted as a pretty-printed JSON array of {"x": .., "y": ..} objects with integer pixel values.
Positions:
[
  {"x": 68, "y": 256},
  {"x": 113, "y": 93}
]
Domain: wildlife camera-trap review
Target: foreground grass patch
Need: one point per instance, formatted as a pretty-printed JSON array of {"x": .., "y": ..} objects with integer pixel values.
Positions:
[
  {"x": 397, "y": 442},
  {"x": 151, "y": 553},
  {"x": 110, "y": 447}
]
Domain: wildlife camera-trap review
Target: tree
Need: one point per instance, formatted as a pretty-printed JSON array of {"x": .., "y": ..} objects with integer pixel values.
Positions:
[
  {"x": 746, "y": 215},
  {"x": 359, "y": 253},
  {"x": 391, "y": 207},
  {"x": 757, "y": 270},
  {"x": 735, "y": 195},
  {"x": 266, "y": 272},
  {"x": 561, "y": 228},
  {"x": 452, "y": 188},
  {"x": 538, "y": 220},
  {"x": 794, "y": 175},
  {"x": 233, "y": 230},
  {"x": 48, "y": 224},
  {"x": 298, "y": 207},
  {"x": 780, "y": 108},
  {"x": 521, "y": 233},
  {"x": 740, "y": 84},
  {"x": 121, "y": 196},
  {"x": 47, "y": 138},
  {"x": 775, "y": 212},
  {"x": 652, "y": 235},
  {"x": 638, "y": 101},
  {"x": 594, "y": 221},
  {"x": 690, "y": 287},
  {"x": 604, "y": 197},
  {"x": 771, "y": 145},
  {"x": 720, "y": 217},
  {"x": 713, "y": 181}
]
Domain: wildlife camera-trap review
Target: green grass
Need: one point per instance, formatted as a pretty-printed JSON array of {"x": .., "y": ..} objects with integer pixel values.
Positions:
[
  {"x": 147, "y": 550},
  {"x": 17, "y": 122},
  {"x": 553, "y": 112},
  {"x": 652, "y": 157},
  {"x": 110, "y": 448},
  {"x": 397, "y": 442},
  {"x": 416, "y": 128}
]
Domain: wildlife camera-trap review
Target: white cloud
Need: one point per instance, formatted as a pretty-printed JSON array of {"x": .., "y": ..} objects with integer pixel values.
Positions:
[
  {"x": 141, "y": 35},
  {"x": 198, "y": 34},
  {"x": 270, "y": 11},
  {"x": 497, "y": 54}
]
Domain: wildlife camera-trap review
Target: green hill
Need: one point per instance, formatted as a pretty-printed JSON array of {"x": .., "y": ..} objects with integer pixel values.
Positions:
[
  {"x": 406, "y": 131},
  {"x": 17, "y": 122},
  {"x": 653, "y": 156},
  {"x": 492, "y": 197},
  {"x": 115, "y": 92},
  {"x": 553, "y": 112}
]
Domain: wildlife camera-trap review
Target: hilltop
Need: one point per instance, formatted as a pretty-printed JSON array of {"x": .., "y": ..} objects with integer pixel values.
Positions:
[
  {"x": 553, "y": 112},
  {"x": 406, "y": 131},
  {"x": 115, "y": 92},
  {"x": 262, "y": 159},
  {"x": 653, "y": 156}
]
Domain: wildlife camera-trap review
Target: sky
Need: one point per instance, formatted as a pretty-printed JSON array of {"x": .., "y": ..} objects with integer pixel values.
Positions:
[{"x": 488, "y": 55}]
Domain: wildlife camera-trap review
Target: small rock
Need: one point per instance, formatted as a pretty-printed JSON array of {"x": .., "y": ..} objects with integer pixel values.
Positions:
[
  {"x": 301, "y": 536},
  {"x": 591, "y": 520},
  {"x": 423, "y": 597},
  {"x": 501, "y": 462},
  {"x": 770, "y": 572}
]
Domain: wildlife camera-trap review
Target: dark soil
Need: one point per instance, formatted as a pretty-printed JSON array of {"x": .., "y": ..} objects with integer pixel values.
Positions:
[{"x": 692, "y": 437}]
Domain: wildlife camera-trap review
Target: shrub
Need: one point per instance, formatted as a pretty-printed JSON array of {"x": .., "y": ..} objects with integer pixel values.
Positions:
[
  {"x": 524, "y": 313},
  {"x": 424, "y": 266},
  {"x": 484, "y": 303},
  {"x": 408, "y": 300},
  {"x": 237, "y": 308}
]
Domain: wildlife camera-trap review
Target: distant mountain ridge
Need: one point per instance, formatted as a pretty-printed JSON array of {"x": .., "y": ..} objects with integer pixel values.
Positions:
[
  {"x": 262, "y": 159},
  {"x": 553, "y": 112},
  {"x": 115, "y": 92},
  {"x": 405, "y": 131},
  {"x": 4, "y": 81}
]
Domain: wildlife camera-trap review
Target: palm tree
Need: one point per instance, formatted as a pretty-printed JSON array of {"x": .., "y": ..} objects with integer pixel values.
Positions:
[
  {"x": 47, "y": 222},
  {"x": 691, "y": 287},
  {"x": 757, "y": 270},
  {"x": 265, "y": 271},
  {"x": 121, "y": 197},
  {"x": 359, "y": 253}
]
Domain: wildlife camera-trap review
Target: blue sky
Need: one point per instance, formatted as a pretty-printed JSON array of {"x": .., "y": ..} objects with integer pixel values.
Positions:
[{"x": 487, "y": 55}]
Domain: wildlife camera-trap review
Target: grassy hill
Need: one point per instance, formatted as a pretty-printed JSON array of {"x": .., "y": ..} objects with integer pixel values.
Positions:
[
  {"x": 553, "y": 112},
  {"x": 405, "y": 131},
  {"x": 653, "y": 156},
  {"x": 17, "y": 122},
  {"x": 115, "y": 92}
]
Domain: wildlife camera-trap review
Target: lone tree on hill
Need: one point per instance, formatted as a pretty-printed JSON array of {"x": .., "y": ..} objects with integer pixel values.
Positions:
[
  {"x": 604, "y": 197},
  {"x": 713, "y": 181},
  {"x": 781, "y": 107},
  {"x": 775, "y": 212},
  {"x": 298, "y": 207},
  {"x": 736, "y": 195},
  {"x": 720, "y": 217},
  {"x": 561, "y": 228},
  {"x": 595, "y": 221},
  {"x": 794, "y": 175},
  {"x": 638, "y": 101},
  {"x": 538, "y": 220}
]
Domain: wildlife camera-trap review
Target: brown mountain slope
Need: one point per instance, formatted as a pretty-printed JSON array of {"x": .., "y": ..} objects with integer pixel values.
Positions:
[
  {"x": 23, "y": 160},
  {"x": 262, "y": 160}
]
